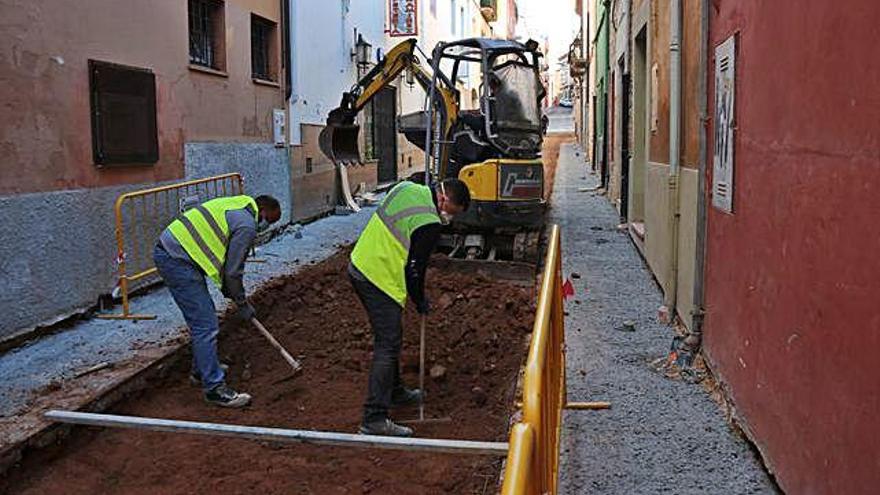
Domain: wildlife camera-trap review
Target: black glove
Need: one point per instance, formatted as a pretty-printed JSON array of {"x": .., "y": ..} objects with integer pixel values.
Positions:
[
  {"x": 246, "y": 312},
  {"x": 423, "y": 307}
]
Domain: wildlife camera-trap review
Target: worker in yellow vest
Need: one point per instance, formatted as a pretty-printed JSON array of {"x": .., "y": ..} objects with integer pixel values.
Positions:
[
  {"x": 212, "y": 240},
  {"x": 388, "y": 266}
]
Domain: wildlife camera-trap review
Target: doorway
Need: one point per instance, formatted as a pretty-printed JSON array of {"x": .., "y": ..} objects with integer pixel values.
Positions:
[
  {"x": 385, "y": 134},
  {"x": 624, "y": 142}
]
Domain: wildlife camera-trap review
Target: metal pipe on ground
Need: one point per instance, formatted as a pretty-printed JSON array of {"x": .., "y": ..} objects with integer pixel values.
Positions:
[{"x": 335, "y": 439}]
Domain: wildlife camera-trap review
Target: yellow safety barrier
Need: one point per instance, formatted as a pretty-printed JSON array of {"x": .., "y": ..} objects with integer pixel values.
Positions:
[
  {"x": 141, "y": 216},
  {"x": 533, "y": 459}
]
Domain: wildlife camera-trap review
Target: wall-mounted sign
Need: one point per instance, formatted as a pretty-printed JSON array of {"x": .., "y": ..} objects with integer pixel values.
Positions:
[
  {"x": 725, "y": 125},
  {"x": 278, "y": 125},
  {"x": 404, "y": 17}
]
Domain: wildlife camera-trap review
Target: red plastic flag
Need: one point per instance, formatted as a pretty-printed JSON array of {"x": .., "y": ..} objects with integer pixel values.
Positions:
[{"x": 567, "y": 289}]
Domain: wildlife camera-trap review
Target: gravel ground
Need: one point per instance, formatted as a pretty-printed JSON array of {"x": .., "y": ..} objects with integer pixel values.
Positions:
[
  {"x": 58, "y": 357},
  {"x": 661, "y": 436}
]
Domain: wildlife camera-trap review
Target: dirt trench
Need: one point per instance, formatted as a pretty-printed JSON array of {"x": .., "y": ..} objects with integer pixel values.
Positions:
[
  {"x": 477, "y": 332},
  {"x": 550, "y": 157}
]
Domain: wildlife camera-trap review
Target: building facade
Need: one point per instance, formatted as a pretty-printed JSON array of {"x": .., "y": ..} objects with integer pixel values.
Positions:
[
  {"x": 740, "y": 163},
  {"x": 646, "y": 133},
  {"x": 792, "y": 326},
  {"x": 323, "y": 64},
  {"x": 109, "y": 97}
]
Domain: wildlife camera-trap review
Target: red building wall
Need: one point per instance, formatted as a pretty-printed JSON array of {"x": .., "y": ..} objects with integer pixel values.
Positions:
[{"x": 793, "y": 275}]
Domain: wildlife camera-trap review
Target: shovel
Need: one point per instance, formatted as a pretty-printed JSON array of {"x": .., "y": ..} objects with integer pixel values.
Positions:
[
  {"x": 422, "y": 418},
  {"x": 286, "y": 355}
]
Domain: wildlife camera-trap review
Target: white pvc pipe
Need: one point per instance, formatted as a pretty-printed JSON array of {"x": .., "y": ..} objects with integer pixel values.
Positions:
[{"x": 428, "y": 445}]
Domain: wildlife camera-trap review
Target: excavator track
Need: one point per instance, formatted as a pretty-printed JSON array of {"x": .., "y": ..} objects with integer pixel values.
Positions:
[{"x": 514, "y": 257}]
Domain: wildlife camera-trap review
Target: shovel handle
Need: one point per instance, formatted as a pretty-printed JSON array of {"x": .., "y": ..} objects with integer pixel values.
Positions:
[
  {"x": 286, "y": 355},
  {"x": 422, "y": 368}
]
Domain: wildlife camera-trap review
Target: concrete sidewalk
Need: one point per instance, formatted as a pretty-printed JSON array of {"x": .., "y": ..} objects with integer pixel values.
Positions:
[
  {"x": 660, "y": 436},
  {"x": 43, "y": 373}
]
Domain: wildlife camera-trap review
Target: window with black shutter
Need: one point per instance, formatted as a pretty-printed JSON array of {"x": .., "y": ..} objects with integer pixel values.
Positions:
[
  {"x": 207, "y": 34},
  {"x": 123, "y": 104},
  {"x": 262, "y": 53}
]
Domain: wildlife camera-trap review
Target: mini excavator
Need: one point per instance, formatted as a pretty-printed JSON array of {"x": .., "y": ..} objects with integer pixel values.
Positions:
[{"x": 495, "y": 150}]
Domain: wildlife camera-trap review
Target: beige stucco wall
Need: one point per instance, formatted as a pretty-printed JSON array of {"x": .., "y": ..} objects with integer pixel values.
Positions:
[
  {"x": 687, "y": 235},
  {"x": 44, "y": 87},
  {"x": 657, "y": 222},
  {"x": 658, "y": 250},
  {"x": 654, "y": 189},
  {"x": 410, "y": 160}
]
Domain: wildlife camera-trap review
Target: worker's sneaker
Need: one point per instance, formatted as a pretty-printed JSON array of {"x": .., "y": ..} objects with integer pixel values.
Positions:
[
  {"x": 406, "y": 396},
  {"x": 196, "y": 381},
  {"x": 386, "y": 428},
  {"x": 223, "y": 396}
]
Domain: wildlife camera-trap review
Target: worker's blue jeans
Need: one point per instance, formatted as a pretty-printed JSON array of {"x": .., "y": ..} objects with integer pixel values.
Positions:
[
  {"x": 190, "y": 292},
  {"x": 385, "y": 319}
]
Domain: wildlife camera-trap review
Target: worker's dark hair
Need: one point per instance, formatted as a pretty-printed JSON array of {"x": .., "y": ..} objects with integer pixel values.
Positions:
[
  {"x": 458, "y": 192},
  {"x": 268, "y": 203}
]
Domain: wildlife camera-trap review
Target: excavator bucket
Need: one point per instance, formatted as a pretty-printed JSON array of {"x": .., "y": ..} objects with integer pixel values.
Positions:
[
  {"x": 339, "y": 142},
  {"x": 339, "y": 138}
]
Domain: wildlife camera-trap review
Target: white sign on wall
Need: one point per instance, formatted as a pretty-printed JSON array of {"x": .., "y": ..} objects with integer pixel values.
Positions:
[
  {"x": 403, "y": 17},
  {"x": 278, "y": 125},
  {"x": 725, "y": 125}
]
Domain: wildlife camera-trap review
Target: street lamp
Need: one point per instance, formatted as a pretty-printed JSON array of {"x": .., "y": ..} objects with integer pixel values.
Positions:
[
  {"x": 362, "y": 51},
  {"x": 410, "y": 77}
]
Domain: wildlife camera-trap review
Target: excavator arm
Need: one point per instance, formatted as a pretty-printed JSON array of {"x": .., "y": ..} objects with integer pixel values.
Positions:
[{"x": 339, "y": 139}]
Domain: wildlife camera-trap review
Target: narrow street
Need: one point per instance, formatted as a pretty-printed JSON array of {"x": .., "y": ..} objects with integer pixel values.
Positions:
[
  {"x": 660, "y": 435},
  {"x": 511, "y": 247}
]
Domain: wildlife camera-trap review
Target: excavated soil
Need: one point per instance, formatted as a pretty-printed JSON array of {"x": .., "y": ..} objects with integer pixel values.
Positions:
[
  {"x": 550, "y": 156},
  {"x": 476, "y": 333}
]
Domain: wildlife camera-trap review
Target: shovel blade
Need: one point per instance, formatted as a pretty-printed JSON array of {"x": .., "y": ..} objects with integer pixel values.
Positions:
[
  {"x": 340, "y": 143},
  {"x": 289, "y": 376}
]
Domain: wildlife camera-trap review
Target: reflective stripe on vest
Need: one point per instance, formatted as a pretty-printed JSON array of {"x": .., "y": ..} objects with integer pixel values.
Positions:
[
  {"x": 383, "y": 247},
  {"x": 203, "y": 233},
  {"x": 390, "y": 221}
]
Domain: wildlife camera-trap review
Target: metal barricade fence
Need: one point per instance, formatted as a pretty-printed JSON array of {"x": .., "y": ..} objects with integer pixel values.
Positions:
[
  {"x": 141, "y": 216},
  {"x": 533, "y": 457}
]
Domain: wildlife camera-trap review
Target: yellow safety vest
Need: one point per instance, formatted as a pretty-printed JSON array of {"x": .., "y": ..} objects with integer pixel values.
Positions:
[
  {"x": 383, "y": 247},
  {"x": 203, "y": 233}
]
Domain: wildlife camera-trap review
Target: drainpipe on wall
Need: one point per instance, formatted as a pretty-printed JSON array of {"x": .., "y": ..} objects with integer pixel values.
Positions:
[
  {"x": 294, "y": 134},
  {"x": 293, "y": 52},
  {"x": 695, "y": 337},
  {"x": 674, "y": 149},
  {"x": 285, "y": 49}
]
